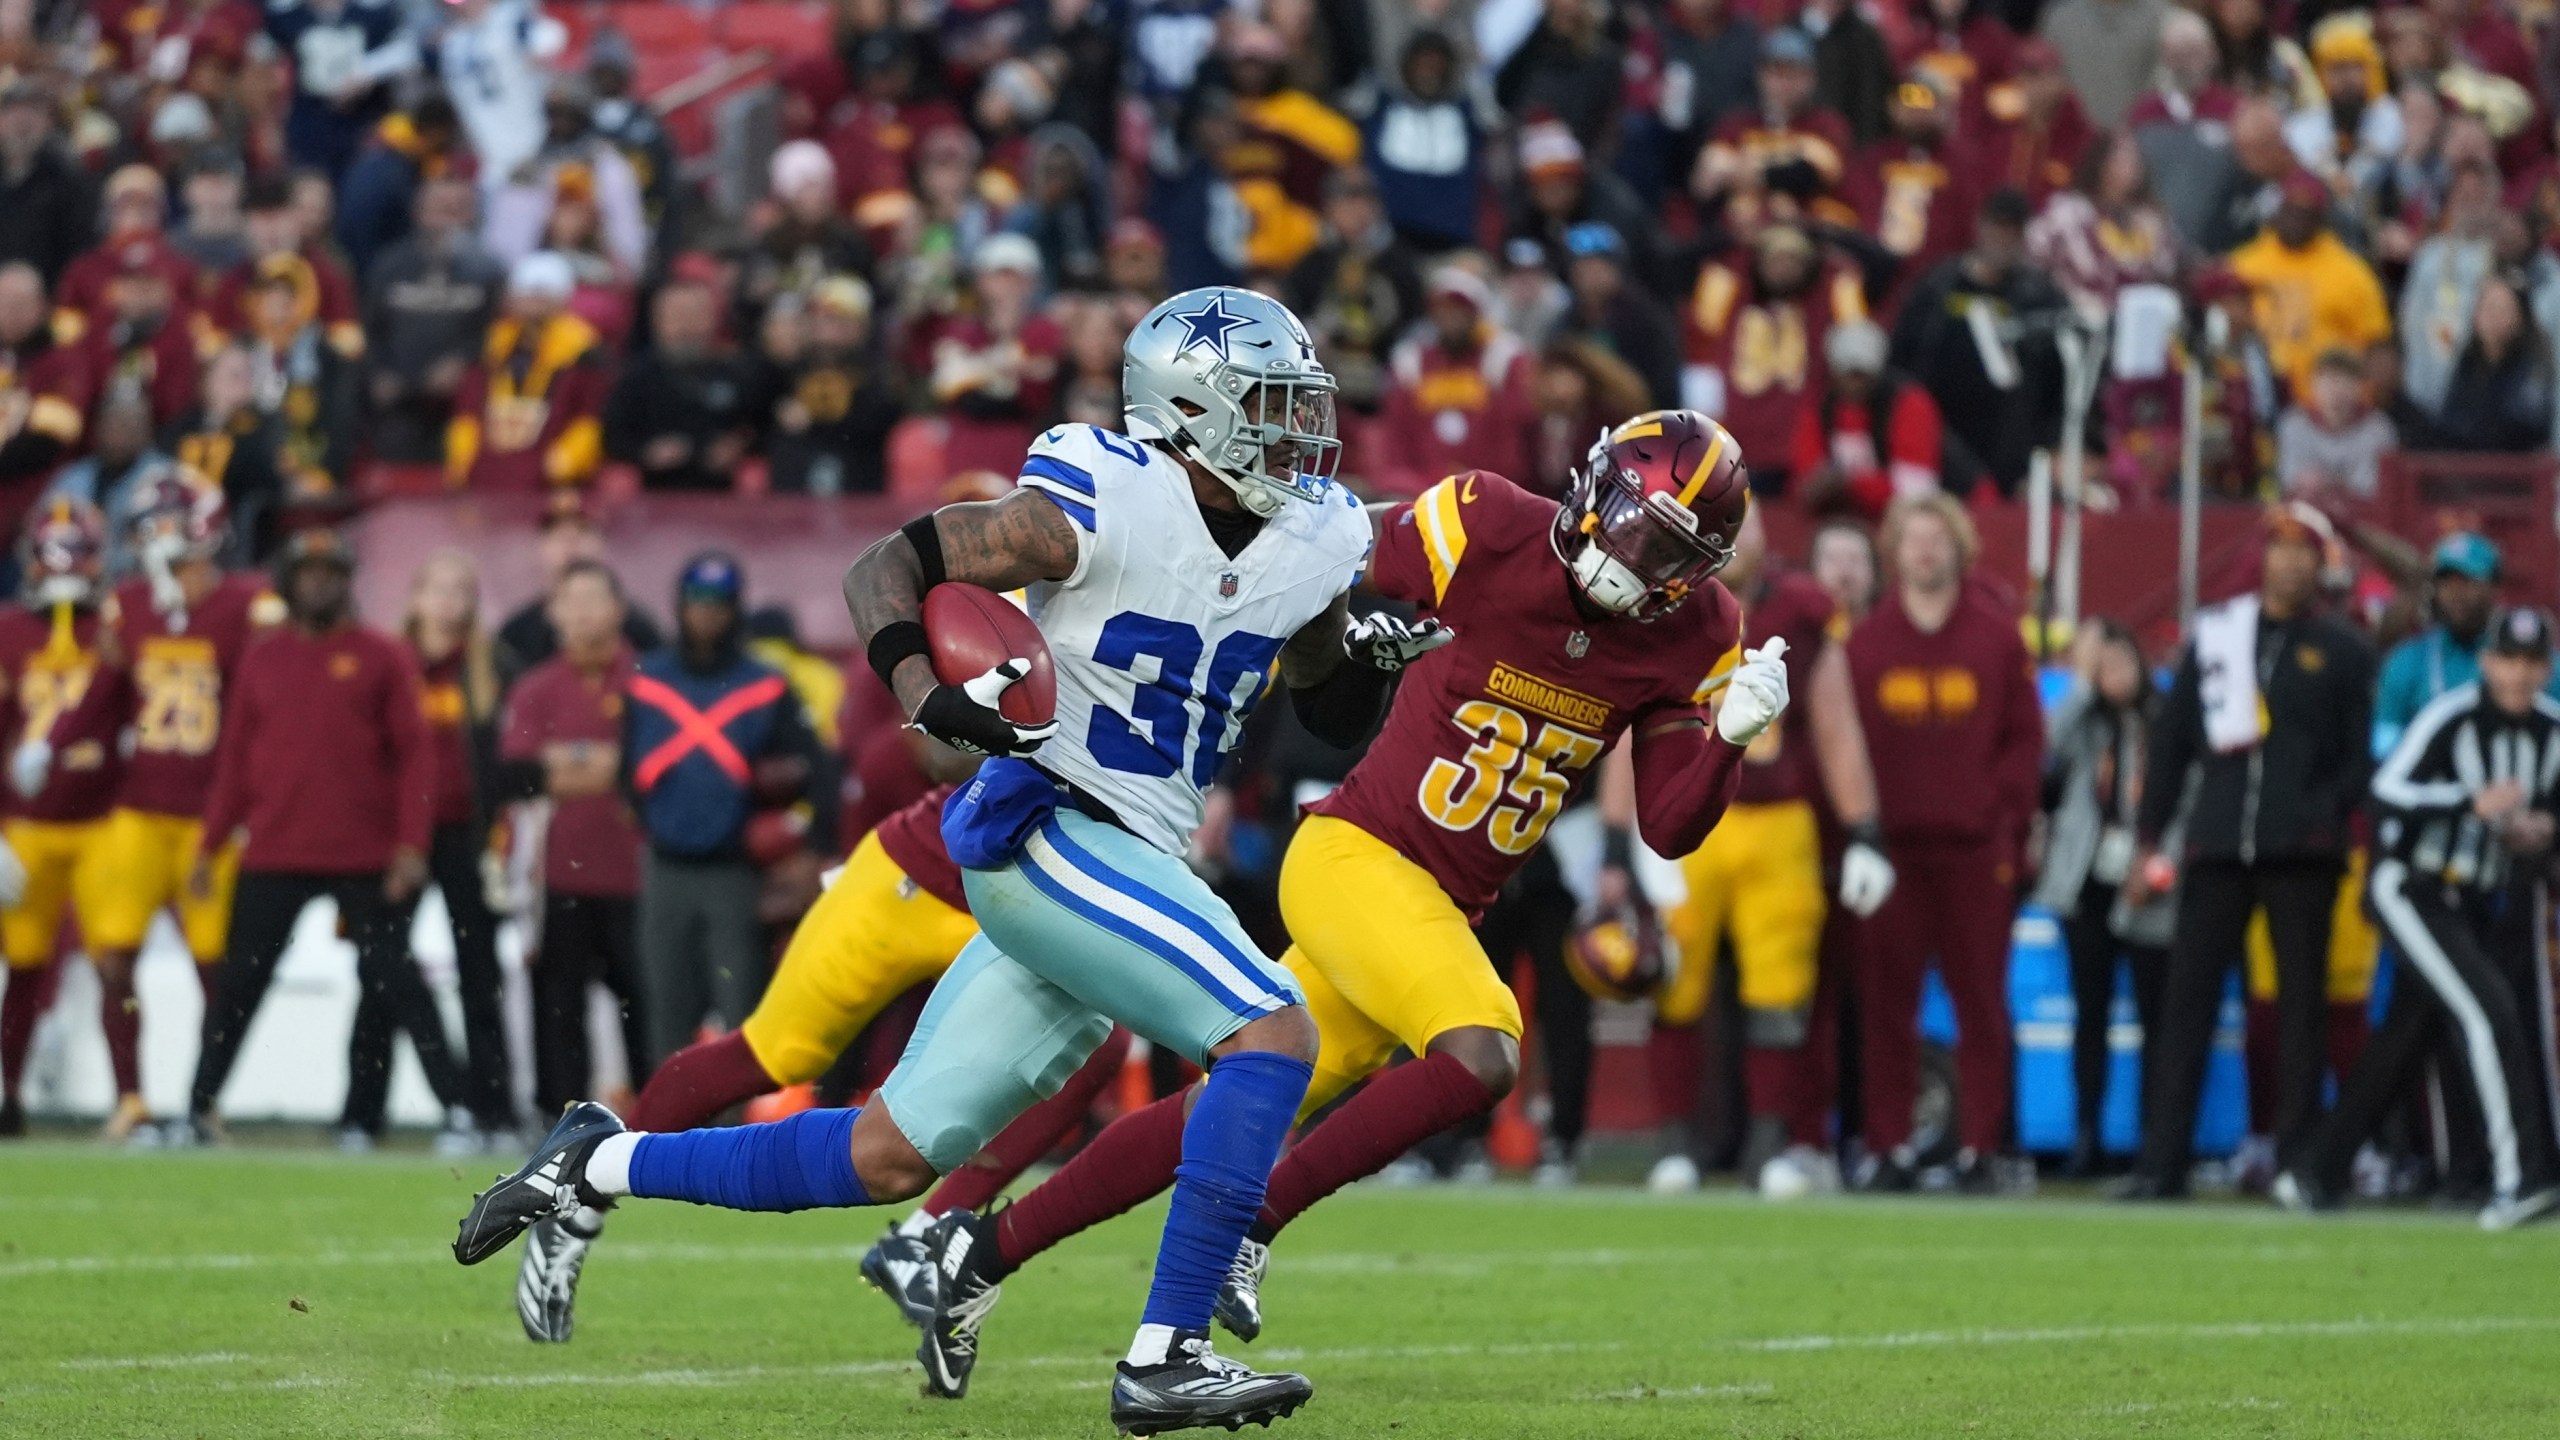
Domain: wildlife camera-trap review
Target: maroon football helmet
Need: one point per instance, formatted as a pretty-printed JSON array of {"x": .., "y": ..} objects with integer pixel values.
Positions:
[
  {"x": 1652, "y": 512},
  {"x": 63, "y": 551}
]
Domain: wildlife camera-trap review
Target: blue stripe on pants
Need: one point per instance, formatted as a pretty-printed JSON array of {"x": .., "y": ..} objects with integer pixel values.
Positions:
[{"x": 1069, "y": 875}]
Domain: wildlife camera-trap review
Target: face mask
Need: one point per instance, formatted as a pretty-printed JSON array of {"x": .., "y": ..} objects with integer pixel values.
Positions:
[{"x": 1611, "y": 585}]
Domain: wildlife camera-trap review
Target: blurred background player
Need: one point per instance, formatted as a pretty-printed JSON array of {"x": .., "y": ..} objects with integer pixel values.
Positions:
[
  {"x": 323, "y": 707},
  {"x": 1948, "y": 701},
  {"x": 56, "y": 798},
  {"x": 173, "y": 637},
  {"x": 1487, "y": 739},
  {"x": 1757, "y": 882}
]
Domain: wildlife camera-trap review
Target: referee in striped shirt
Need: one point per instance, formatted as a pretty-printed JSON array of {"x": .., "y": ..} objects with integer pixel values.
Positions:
[{"x": 2465, "y": 806}]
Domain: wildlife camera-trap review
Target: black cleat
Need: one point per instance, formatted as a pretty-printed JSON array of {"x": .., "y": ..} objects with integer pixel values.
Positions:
[
  {"x": 1198, "y": 1389},
  {"x": 547, "y": 1279},
  {"x": 2143, "y": 1188},
  {"x": 1239, "y": 1306},
  {"x": 898, "y": 1267},
  {"x": 545, "y": 1186},
  {"x": 2304, "y": 1193},
  {"x": 13, "y": 1117},
  {"x": 960, "y": 1250},
  {"x": 1889, "y": 1172}
]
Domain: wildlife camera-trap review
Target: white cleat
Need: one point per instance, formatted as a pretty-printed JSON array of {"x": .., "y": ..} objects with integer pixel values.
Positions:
[{"x": 1672, "y": 1175}]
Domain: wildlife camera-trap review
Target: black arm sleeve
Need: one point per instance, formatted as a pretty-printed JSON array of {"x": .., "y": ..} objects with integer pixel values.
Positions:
[
  {"x": 1347, "y": 708},
  {"x": 514, "y": 780},
  {"x": 2175, "y": 742}
]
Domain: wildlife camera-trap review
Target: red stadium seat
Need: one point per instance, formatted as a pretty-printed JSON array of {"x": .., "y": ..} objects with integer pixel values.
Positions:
[
  {"x": 786, "y": 30},
  {"x": 660, "y": 30},
  {"x": 917, "y": 449}
]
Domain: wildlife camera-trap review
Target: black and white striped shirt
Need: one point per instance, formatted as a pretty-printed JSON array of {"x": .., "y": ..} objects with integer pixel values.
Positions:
[{"x": 2457, "y": 747}]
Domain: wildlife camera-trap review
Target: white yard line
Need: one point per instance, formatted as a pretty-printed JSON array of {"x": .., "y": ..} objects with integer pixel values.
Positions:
[{"x": 901, "y": 1370}]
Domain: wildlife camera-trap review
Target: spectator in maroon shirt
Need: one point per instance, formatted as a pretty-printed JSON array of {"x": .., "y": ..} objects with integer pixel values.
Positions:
[
  {"x": 562, "y": 740},
  {"x": 458, "y": 699},
  {"x": 326, "y": 778},
  {"x": 1948, "y": 701}
]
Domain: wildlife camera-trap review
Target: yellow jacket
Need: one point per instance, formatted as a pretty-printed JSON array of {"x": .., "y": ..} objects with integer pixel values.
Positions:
[{"x": 2320, "y": 297}]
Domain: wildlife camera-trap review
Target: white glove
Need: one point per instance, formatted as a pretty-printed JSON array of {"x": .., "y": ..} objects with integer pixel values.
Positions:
[
  {"x": 28, "y": 766},
  {"x": 1383, "y": 642},
  {"x": 1756, "y": 695},
  {"x": 1866, "y": 879},
  {"x": 13, "y": 876}
]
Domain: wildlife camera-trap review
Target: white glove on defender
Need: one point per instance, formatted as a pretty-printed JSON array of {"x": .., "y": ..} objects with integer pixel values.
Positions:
[
  {"x": 1756, "y": 695},
  {"x": 1866, "y": 879},
  {"x": 13, "y": 876},
  {"x": 28, "y": 766}
]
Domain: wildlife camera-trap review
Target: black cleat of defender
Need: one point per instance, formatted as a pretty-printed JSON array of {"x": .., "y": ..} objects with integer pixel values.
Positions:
[
  {"x": 1239, "y": 1305},
  {"x": 960, "y": 1250},
  {"x": 898, "y": 1266},
  {"x": 1198, "y": 1388},
  {"x": 546, "y": 1185}
]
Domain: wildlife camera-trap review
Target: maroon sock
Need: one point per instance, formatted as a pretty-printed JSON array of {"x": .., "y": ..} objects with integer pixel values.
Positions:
[
  {"x": 1033, "y": 1134},
  {"x": 208, "y": 977},
  {"x": 1774, "y": 1076},
  {"x": 2350, "y": 1025},
  {"x": 2259, "y": 1059},
  {"x": 120, "y": 1015},
  {"x": 698, "y": 1082},
  {"x": 1130, "y": 1162},
  {"x": 19, "y": 1011},
  {"x": 1395, "y": 1111},
  {"x": 1677, "y": 1056}
]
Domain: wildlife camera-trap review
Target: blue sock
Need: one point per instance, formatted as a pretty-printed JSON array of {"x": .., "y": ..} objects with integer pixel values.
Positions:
[
  {"x": 1228, "y": 1148},
  {"x": 803, "y": 1163}
]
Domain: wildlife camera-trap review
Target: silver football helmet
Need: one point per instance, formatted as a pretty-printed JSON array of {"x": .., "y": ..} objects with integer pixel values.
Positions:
[{"x": 1230, "y": 379}]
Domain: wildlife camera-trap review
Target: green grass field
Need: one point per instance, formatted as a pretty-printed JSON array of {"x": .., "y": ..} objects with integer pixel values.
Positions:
[{"x": 290, "y": 1293}]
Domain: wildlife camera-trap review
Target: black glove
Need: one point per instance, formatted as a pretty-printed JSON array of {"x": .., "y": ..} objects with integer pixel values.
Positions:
[
  {"x": 1383, "y": 642},
  {"x": 965, "y": 717}
]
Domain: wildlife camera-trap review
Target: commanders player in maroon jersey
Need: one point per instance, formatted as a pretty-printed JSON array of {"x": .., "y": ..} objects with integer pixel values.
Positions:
[
  {"x": 1575, "y": 624},
  {"x": 48, "y": 658},
  {"x": 172, "y": 637}
]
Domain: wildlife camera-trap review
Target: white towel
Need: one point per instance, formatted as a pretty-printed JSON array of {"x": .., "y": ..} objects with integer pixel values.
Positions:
[{"x": 2227, "y": 674}]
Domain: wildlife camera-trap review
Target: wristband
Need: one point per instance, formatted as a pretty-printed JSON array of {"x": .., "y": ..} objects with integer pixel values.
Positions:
[
  {"x": 1869, "y": 834},
  {"x": 925, "y": 538},
  {"x": 895, "y": 643}
]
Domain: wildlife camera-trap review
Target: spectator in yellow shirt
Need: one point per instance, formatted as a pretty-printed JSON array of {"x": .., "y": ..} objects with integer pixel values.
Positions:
[{"x": 2310, "y": 291}]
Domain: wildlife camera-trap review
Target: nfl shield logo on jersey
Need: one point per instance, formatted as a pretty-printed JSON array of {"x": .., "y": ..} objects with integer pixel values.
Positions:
[
  {"x": 1227, "y": 586},
  {"x": 1577, "y": 645}
]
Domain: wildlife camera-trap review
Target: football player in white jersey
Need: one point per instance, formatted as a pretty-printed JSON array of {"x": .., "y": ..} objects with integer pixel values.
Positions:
[{"x": 1168, "y": 569}]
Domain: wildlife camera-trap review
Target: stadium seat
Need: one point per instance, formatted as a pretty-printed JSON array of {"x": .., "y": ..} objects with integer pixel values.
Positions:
[
  {"x": 916, "y": 451},
  {"x": 659, "y": 29},
  {"x": 785, "y": 30}
]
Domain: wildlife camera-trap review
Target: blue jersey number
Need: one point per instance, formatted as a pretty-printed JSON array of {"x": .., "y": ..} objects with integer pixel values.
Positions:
[{"x": 1164, "y": 655}]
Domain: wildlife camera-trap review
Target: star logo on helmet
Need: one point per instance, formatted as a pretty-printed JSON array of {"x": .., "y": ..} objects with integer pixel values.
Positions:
[{"x": 1209, "y": 326}]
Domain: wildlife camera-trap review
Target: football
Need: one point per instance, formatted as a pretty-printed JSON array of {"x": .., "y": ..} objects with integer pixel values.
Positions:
[{"x": 974, "y": 630}]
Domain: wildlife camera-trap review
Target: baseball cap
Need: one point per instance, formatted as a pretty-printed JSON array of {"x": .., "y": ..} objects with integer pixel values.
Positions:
[
  {"x": 1548, "y": 146},
  {"x": 1786, "y": 45},
  {"x": 1595, "y": 237},
  {"x": 2468, "y": 554},
  {"x": 712, "y": 575},
  {"x": 1460, "y": 283},
  {"x": 2521, "y": 630}
]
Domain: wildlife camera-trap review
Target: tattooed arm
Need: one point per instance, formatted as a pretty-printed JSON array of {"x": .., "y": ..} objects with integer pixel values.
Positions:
[{"x": 999, "y": 544}]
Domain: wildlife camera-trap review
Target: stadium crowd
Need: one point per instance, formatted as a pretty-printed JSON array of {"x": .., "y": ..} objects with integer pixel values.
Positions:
[{"x": 259, "y": 264}]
